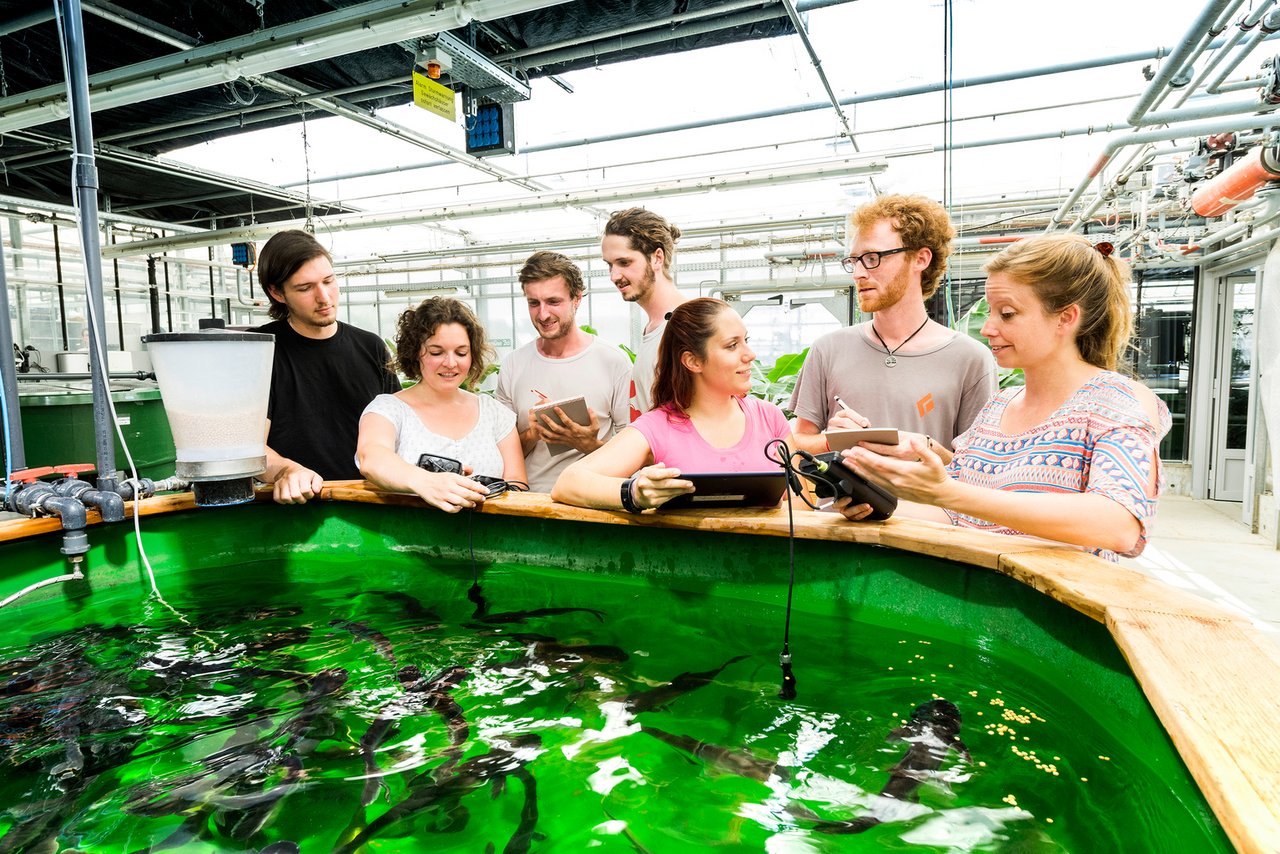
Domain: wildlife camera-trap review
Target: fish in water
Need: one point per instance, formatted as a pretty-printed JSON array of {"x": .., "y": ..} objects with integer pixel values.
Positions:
[
  {"x": 932, "y": 732},
  {"x": 661, "y": 696},
  {"x": 366, "y": 632},
  {"x": 550, "y": 651},
  {"x": 230, "y": 785},
  {"x": 739, "y": 762},
  {"x": 420, "y": 695},
  {"x": 507, "y": 757},
  {"x": 525, "y": 616},
  {"x": 413, "y": 609}
]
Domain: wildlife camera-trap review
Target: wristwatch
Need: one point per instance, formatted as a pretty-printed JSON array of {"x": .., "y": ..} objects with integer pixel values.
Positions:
[{"x": 628, "y": 497}]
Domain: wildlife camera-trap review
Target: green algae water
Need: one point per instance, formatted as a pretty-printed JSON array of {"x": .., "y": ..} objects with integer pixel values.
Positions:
[{"x": 385, "y": 705}]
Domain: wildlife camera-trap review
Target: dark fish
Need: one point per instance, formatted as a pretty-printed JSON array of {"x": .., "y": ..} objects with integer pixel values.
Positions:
[
  {"x": 738, "y": 762},
  {"x": 505, "y": 758},
  {"x": 413, "y": 609},
  {"x": 523, "y": 616},
  {"x": 242, "y": 816},
  {"x": 933, "y": 731},
  {"x": 550, "y": 651},
  {"x": 243, "y": 763},
  {"x": 475, "y": 594},
  {"x": 658, "y": 698},
  {"x": 421, "y": 694},
  {"x": 380, "y": 641}
]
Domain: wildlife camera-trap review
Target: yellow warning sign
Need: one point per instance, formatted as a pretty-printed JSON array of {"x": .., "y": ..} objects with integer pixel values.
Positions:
[{"x": 433, "y": 96}]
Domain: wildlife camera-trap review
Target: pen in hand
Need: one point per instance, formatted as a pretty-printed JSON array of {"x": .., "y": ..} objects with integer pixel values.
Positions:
[
  {"x": 841, "y": 403},
  {"x": 539, "y": 394}
]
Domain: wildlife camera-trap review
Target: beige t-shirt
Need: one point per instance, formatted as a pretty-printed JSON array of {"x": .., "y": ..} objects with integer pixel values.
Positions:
[
  {"x": 643, "y": 370},
  {"x": 938, "y": 392},
  {"x": 601, "y": 373}
]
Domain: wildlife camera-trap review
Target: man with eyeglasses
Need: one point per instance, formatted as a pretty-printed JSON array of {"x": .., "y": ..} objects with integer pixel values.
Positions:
[{"x": 898, "y": 369}]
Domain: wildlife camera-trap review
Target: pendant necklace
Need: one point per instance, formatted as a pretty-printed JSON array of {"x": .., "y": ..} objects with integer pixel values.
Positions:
[{"x": 891, "y": 360}]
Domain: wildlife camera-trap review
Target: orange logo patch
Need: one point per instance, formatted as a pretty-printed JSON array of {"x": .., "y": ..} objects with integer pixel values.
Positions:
[{"x": 924, "y": 405}]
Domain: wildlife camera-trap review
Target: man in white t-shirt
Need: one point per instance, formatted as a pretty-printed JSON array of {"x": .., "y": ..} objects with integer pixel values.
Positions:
[
  {"x": 639, "y": 246},
  {"x": 562, "y": 362}
]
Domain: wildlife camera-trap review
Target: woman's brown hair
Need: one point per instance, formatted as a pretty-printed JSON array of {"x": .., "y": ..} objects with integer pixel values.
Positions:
[
  {"x": 416, "y": 325},
  {"x": 689, "y": 328}
]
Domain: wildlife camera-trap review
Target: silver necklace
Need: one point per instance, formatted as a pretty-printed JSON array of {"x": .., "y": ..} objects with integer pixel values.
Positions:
[{"x": 891, "y": 360}]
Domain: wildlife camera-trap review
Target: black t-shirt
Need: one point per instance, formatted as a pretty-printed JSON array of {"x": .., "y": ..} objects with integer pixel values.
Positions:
[{"x": 319, "y": 387}]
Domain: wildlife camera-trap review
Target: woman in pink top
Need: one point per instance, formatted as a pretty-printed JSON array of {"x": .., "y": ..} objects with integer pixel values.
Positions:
[{"x": 702, "y": 419}]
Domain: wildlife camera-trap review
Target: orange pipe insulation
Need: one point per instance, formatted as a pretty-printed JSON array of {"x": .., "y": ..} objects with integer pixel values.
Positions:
[{"x": 1238, "y": 183}]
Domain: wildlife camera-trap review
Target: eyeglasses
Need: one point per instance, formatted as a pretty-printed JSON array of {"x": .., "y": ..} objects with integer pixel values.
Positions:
[{"x": 869, "y": 260}]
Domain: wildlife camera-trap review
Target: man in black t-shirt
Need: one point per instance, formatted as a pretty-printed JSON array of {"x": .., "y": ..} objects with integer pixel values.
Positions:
[{"x": 325, "y": 372}]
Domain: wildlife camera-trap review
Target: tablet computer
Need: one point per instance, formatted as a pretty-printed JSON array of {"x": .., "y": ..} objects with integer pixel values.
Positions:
[
  {"x": 574, "y": 407},
  {"x": 731, "y": 489},
  {"x": 839, "y": 440}
]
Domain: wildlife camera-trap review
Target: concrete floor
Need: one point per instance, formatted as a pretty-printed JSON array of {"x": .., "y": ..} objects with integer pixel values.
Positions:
[{"x": 1204, "y": 548}]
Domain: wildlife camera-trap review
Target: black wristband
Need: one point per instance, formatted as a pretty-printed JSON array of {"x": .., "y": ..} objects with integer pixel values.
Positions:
[{"x": 628, "y": 497}]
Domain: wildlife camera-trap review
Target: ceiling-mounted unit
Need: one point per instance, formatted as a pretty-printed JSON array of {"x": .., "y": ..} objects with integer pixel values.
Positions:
[{"x": 476, "y": 71}]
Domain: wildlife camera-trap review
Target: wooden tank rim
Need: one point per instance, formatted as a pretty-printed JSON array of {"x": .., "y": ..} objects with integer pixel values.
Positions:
[{"x": 1210, "y": 676}]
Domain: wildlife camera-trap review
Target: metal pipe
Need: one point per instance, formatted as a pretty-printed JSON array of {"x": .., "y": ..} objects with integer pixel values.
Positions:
[
  {"x": 76, "y": 574},
  {"x": 1257, "y": 239},
  {"x": 1157, "y": 135},
  {"x": 25, "y": 22},
  {"x": 1210, "y": 111},
  {"x": 1191, "y": 44},
  {"x": 22, "y": 207},
  {"x": 1221, "y": 53},
  {"x": 1262, "y": 210},
  {"x": 668, "y": 24},
  {"x": 86, "y": 195},
  {"x": 543, "y": 201},
  {"x": 596, "y": 48},
  {"x": 817, "y": 66},
  {"x": 8, "y": 374},
  {"x": 365, "y": 25},
  {"x": 73, "y": 377},
  {"x": 871, "y": 97},
  {"x": 1248, "y": 22}
]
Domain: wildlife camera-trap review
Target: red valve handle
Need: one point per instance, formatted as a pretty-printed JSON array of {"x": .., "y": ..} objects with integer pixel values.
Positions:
[
  {"x": 74, "y": 468},
  {"x": 31, "y": 475}
]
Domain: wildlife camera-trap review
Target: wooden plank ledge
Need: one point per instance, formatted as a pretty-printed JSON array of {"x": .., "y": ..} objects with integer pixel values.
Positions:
[{"x": 1210, "y": 676}]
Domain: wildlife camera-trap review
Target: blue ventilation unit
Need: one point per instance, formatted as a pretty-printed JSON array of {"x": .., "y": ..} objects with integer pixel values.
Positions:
[
  {"x": 492, "y": 130},
  {"x": 244, "y": 254}
]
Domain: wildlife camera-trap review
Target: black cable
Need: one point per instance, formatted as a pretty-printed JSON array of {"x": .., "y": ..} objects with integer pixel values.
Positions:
[
  {"x": 475, "y": 594},
  {"x": 788, "y": 689}
]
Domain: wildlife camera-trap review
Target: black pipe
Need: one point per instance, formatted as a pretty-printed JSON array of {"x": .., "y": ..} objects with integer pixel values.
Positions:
[
  {"x": 8, "y": 376},
  {"x": 153, "y": 294},
  {"x": 62, "y": 297},
  {"x": 37, "y": 497},
  {"x": 86, "y": 193},
  {"x": 109, "y": 504},
  {"x": 168, "y": 297},
  {"x": 115, "y": 274}
]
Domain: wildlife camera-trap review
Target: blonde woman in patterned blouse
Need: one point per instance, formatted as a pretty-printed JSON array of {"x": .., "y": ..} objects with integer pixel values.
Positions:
[{"x": 1073, "y": 454}]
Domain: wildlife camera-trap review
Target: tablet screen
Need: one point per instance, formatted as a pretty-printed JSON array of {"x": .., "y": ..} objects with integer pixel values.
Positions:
[{"x": 731, "y": 489}]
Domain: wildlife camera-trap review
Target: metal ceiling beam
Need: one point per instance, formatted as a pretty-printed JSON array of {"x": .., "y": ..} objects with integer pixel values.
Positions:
[
  {"x": 344, "y": 31},
  {"x": 795, "y": 173},
  {"x": 174, "y": 167}
]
